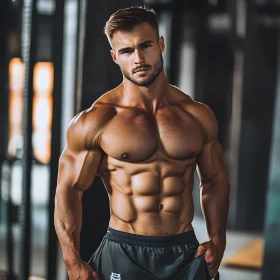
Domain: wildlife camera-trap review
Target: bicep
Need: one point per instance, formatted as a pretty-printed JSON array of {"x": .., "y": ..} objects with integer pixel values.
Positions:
[
  {"x": 77, "y": 169},
  {"x": 210, "y": 161},
  {"x": 80, "y": 159}
]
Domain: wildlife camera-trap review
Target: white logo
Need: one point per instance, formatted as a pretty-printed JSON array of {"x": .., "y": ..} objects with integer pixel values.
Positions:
[{"x": 115, "y": 276}]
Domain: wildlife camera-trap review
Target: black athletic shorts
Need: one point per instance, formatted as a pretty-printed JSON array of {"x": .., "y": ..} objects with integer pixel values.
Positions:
[{"x": 125, "y": 256}]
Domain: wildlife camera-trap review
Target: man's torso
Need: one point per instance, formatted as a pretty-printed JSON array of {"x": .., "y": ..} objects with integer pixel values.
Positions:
[{"x": 148, "y": 166}]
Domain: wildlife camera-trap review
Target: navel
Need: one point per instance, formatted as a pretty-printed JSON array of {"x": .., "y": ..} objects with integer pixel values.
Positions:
[{"x": 161, "y": 207}]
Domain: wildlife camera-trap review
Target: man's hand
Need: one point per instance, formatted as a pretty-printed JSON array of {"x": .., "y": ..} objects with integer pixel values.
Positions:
[
  {"x": 81, "y": 271},
  {"x": 213, "y": 252}
]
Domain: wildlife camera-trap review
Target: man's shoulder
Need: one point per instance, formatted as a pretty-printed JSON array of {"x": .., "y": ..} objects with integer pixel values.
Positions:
[
  {"x": 89, "y": 124},
  {"x": 178, "y": 96},
  {"x": 95, "y": 116},
  {"x": 199, "y": 111},
  {"x": 101, "y": 111},
  {"x": 185, "y": 101},
  {"x": 109, "y": 99},
  {"x": 205, "y": 116}
]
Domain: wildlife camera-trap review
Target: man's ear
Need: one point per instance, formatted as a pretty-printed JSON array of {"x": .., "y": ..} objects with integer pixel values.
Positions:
[
  {"x": 113, "y": 54},
  {"x": 161, "y": 44}
]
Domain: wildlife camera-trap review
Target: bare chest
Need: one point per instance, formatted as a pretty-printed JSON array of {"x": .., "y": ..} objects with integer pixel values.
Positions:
[{"x": 134, "y": 136}]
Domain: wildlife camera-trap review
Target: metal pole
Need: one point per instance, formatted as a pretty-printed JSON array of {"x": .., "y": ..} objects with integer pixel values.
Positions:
[
  {"x": 58, "y": 28},
  {"x": 236, "y": 111},
  {"x": 29, "y": 25},
  {"x": 10, "y": 246},
  {"x": 81, "y": 29},
  {"x": 4, "y": 31},
  {"x": 5, "y": 177}
]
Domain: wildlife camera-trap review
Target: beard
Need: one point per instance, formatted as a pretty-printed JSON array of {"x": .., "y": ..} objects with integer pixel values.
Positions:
[{"x": 144, "y": 82}]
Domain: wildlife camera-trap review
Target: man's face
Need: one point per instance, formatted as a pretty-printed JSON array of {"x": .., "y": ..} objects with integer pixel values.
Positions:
[{"x": 138, "y": 53}]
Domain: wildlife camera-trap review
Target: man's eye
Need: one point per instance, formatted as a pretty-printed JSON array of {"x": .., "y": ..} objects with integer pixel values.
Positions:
[
  {"x": 146, "y": 46},
  {"x": 127, "y": 51}
]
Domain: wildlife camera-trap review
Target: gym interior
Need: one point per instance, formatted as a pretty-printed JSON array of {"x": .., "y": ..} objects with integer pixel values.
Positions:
[{"x": 55, "y": 62}]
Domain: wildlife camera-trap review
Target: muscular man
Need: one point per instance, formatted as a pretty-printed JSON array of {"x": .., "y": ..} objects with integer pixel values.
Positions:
[{"x": 145, "y": 139}]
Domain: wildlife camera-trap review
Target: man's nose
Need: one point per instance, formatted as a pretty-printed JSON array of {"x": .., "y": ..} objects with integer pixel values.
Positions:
[{"x": 139, "y": 57}]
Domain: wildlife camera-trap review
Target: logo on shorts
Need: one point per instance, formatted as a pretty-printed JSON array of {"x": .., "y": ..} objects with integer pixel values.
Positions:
[{"x": 115, "y": 276}]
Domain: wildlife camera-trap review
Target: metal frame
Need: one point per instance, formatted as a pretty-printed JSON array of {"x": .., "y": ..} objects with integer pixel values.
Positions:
[{"x": 29, "y": 28}]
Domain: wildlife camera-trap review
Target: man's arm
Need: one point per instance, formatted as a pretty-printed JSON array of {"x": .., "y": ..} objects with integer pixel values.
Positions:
[
  {"x": 77, "y": 167},
  {"x": 214, "y": 189}
]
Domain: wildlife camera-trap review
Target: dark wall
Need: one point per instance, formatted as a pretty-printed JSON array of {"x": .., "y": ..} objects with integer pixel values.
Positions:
[
  {"x": 214, "y": 70},
  {"x": 259, "y": 88}
]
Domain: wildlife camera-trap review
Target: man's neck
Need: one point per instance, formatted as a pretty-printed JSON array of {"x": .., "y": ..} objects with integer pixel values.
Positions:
[{"x": 149, "y": 98}]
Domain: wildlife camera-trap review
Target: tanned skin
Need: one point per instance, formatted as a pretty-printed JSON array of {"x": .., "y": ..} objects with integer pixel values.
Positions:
[{"x": 145, "y": 138}]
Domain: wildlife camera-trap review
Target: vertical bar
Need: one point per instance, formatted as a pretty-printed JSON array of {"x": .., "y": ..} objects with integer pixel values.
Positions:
[
  {"x": 235, "y": 133},
  {"x": 5, "y": 175},
  {"x": 29, "y": 24},
  {"x": 81, "y": 26},
  {"x": 10, "y": 247},
  {"x": 236, "y": 110},
  {"x": 271, "y": 268},
  {"x": 58, "y": 28},
  {"x": 4, "y": 30}
]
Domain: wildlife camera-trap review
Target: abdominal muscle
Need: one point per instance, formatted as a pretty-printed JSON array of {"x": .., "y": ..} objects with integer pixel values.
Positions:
[{"x": 146, "y": 204}]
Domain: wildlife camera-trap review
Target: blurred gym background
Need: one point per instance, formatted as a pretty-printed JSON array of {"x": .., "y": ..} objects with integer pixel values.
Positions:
[{"x": 55, "y": 62}]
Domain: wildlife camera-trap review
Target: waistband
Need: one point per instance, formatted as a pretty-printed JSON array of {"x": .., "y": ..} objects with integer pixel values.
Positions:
[{"x": 151, "y": 241}]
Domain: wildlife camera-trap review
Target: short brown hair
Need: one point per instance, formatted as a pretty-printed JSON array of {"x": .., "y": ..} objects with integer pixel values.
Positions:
[{"x": 126, "y": 19}]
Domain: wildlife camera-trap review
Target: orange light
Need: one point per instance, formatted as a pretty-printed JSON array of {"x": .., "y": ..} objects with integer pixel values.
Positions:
[
  {"x": 16, "y": 84},
  {"x": 42, "y": 110},
  {"x": 16, "y": 75},
  {"x": 43, "y": 78}
]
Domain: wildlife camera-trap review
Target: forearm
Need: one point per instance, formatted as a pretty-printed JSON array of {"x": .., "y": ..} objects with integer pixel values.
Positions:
[
  {"x": 68, "y": 220},
  {"x": 215, "y": 206}
]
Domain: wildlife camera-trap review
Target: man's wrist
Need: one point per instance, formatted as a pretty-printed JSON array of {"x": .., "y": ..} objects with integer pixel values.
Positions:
[
  {"x": 71, "y": 261},
  {"x": 218, "y": 238}
]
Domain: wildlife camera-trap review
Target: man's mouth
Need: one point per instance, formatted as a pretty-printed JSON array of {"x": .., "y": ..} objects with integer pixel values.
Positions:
[{"x": 142, "y": 69}]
